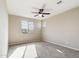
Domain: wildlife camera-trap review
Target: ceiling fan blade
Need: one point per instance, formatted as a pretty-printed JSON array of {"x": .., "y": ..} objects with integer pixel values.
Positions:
[
  {"x": 36, "y": 15},
  {"x": 46, "y": 13},
  {"x": 42, "y": 15},
  {"x": 35, "y": 12},
  {"x": 59, "y": 2}
]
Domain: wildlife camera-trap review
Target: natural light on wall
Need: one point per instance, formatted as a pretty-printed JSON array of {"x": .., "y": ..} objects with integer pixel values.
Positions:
[
  {"x": 39, "y": 24},
  {"x": 44, "y": 24}
]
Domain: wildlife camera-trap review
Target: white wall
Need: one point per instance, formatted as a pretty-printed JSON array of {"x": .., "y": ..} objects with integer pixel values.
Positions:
[
  {"x": 3, "y": 29},
  {"x": 15, "y": 34},
  {"x": 63, "y": 29}
]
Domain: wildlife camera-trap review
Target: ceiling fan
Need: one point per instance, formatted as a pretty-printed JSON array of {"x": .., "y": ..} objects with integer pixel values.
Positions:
[{"x": 41, "y": 11}]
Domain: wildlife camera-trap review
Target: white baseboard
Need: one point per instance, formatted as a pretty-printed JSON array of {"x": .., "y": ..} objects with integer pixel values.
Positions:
[
  {"x": 3, "y": 56},
  {"x": 63, "y": 45},
  {"x": 16, "y": 43}
]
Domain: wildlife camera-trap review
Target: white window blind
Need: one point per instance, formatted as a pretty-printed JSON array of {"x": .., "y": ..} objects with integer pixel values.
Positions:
[{"x": 27, "y": 26}]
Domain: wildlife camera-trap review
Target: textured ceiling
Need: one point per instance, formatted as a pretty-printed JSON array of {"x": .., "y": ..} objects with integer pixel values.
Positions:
[{"x": 25, "y": 7}]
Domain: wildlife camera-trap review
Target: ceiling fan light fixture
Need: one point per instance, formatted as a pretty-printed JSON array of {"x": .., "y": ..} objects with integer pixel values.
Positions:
[{"x": 40, "y": 15}]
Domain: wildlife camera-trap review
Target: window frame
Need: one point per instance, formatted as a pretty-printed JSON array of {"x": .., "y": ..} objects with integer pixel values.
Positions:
[{"x": 28, "y": 28}]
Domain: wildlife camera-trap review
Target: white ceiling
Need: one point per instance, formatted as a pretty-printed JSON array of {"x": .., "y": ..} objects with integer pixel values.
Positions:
[{"x": 25, "y": 7}]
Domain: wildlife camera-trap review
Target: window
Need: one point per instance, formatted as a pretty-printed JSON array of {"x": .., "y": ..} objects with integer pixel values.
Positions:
[
  {"x": 31, "y": 26},
  {"x": 27, "y": 26}
]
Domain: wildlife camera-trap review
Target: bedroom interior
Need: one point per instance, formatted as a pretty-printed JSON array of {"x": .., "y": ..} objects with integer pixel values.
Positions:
[{"x": 39, "y": 29}]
